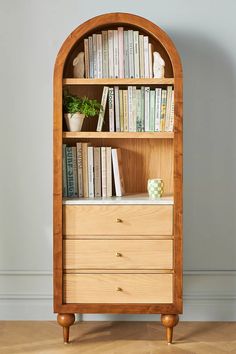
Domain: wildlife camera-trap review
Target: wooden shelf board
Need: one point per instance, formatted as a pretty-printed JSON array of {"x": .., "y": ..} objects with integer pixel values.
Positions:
[
  {"x": 104, "y": 81},
  {"x": 119, "y": 135},
  {"x": 130, "y": 199}
]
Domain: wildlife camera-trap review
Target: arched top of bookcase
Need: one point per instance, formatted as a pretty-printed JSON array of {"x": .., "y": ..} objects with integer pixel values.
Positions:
[{"x": 160, "y": 40}]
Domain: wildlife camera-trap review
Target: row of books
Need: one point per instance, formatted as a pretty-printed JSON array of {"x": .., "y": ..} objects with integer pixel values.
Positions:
[
  {"x": 138, "y": 110},
  {"x": 118, "y": 54},
  {"x": 90, "y": 172}
]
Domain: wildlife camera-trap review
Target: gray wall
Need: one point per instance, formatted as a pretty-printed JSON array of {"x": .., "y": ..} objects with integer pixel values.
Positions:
[{"x": 31, "y": 33}]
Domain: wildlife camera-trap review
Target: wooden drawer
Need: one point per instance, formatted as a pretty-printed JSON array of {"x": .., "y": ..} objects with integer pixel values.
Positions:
[
  {"x": 117, "y": 220},
  {"x": 118, "y": 254},
  {"x": 118, "y": 288}
]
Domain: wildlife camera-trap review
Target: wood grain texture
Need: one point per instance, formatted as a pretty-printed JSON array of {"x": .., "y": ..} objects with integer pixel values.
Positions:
[
  {"x": 75, "y": 81},
  {"x": 103, "y": 219},
  {"x": 118, "y": 288},
  {"x": 118, "y": 135},
  {"x": 118, "y": 254}
]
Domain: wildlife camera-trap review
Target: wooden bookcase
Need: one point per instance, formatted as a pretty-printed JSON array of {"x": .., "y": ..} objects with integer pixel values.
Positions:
[{"x": 88, "y": 274}]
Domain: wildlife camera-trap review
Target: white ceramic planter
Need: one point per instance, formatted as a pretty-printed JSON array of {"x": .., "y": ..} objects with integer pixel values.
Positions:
[{"x": 74, "y": 121}]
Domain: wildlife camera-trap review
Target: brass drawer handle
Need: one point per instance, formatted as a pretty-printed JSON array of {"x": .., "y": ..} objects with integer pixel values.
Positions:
[
  {"x": 119, "y": 220},
  {"x": 118, "y": 254},
  {"x": 119, "y": 289}
]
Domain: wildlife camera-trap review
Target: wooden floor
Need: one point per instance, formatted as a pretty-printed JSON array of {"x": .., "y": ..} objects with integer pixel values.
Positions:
[{"x": 25, "y": 337}]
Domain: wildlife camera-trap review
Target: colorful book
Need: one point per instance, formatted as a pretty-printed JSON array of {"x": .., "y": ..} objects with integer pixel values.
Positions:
[
  {"x": 157, "y": 118},
  {"x": 108, "y": 169},
  {"x": 64, "y": 172},
  {"x": 136, "y": 55},
  {"x": 111, "y": 54},
  {"x": 163, "y": 110},
  {"x": 79, "y": 169},
  {"x": 117, "y": 108},
  {"x": 90, "y": 173},
  {"x": 121, "y": 51},
  {"x": 103, "y": 109},
  {"x": 172, "y": 112},
  {"x": 104, "y": 171},
  {"x": 118, "y": 172},
  {"x": 105, "y": 60},
  {"x": 97, "y": 171},
  {"x": 111, "y": 108}
]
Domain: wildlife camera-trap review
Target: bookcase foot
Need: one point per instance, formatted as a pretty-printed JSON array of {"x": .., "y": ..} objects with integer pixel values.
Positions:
[
  {"x": 169, "y": 321},
  {"x": 66, "y": 320}
]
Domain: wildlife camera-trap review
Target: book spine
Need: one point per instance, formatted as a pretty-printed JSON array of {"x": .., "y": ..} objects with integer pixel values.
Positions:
[
  {"x": 64, "y": 173},
  {"x": 90, "y": 173},
  {"x": 125, "y": 104},
  {"x": 116, "y": 54},
  {"x": 168, "y": 108},
  {"x": 147, "y": 99},
  {"x": 163, "y": 110},
  {"x": 157, "y": 109},
  {"x": 97, "y": 171},
  {"x": 104, "y": 171},
  {"x": 85, "y": 168},
  {"x": 103, "y": 109},
  {"x": 117, "y": 172},
  {"x": 86, "y": 57},
  {"x": 99, "y": 56},
  {"x": 111, "y": 109},
  {"x": 138, "y": 105},
  {"x": 141, "y": 56},
  {"x": 80, "y": 169},
  {"x": 69, "y": 168},
  {"x": 142, "y": 108},
  {"x": 121, "y": 108},
  {"x": 121, "y": 175},
  {"x": 131, "y": 53},
  {"x": 134, "y": 108},
  {"x": 91, "y": 75},
  {"x": 130, "y": 111},
  {"x": 95, "y": 72},
  {"x": 121, "y": 51},
  {"x": 117, "y": 108},
  {"x": 146, "y": 56},
  {"x": 105, "y": 61},
  {"x": 126, "y": 54},
  {"x": 150, "y": 50},
  {"x": 111, "y": 54},
  {"x": 152, "y": 111},
  {"x": 74, "y": 166},
  {"x": 109, "y": 175},
  {"x": 172, "y": 112},
  {"x": 136, "y": 55}
]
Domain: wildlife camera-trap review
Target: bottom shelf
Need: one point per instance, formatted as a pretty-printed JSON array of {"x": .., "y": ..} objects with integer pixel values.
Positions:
[{"x": 141, "y": 198}]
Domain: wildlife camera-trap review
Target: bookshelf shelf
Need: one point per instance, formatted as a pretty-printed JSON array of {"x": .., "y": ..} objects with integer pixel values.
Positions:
[
  {"x": 73, "y": 81},
  {"x": 118, "y": 135}
]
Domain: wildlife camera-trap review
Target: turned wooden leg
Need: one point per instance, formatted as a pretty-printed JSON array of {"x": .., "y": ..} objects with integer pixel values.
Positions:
[
  {"x": 66, "y": 320},
  {"x": 169, "y": 321}
]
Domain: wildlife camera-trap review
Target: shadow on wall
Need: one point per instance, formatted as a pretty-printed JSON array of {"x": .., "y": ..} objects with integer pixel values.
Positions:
[{"x": 209, "y": 153}]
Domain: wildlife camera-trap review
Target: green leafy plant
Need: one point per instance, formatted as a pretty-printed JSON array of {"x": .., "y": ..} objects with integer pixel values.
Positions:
[{"x": 74, "y": 104}]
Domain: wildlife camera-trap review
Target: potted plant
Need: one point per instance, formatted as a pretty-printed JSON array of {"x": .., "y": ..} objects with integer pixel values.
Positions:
[{"x": 77, "y": 108}]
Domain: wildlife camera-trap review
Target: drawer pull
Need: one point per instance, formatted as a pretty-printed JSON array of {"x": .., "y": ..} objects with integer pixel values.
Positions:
[
  {"x": 118, "y": 254},
  {"x": 119, "y": 289},
  {"x": 119, "y": 220}
]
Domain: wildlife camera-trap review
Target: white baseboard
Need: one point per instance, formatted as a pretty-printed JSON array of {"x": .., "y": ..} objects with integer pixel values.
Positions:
[{"x": 208, "y": 296}]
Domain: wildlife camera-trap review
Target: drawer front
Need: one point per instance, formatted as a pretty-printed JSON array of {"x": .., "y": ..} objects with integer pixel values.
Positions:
[
  {"x": 117, "y": 220},
  {"x": 118, "y": 254},
  {"x": 118, "y": 288}
]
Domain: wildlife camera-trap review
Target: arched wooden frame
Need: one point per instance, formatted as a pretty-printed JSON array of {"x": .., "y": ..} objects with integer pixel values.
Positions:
[{"x": 156, "y": 33}]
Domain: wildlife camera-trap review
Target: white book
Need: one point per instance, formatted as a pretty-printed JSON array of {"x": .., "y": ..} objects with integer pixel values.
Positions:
[
  {"x": 118, "y": 172},
  {"x": 172, "y": 112},
  {"x": 152, "y": 110},
  {"x": 131, "y": 53},
  {"x": 157, "y": 119},
  {"x": 146, "y": 56},
  {"x": 117, "y": 108},
  {"x": 111, "y": 108},
  {"x": 99, "y": 56},
  {"x": 142, "y": 108},
  {"x": 95, "y": 72},
  {"x": 134, "y": 108},
  {"x": 80, "y": 169},
  {"x": 111, "y": 54},
  {"x": 103, "y": 109},
  {"x": 125, "y": 104},
  {"x": 86, "y": 57},
  {"x": 121, "y": 108},
  {"x": 105, "y": 61},
  {"x": 90, "y": 56},
  {"x": 97, "y": 172},
  {"x": 90, "y": 173},
  {"x": 130, "y": 106},
  {"x": 168, "y": 108},
  {"x": 109, "y": 174},
  {"x": 150, "y": 55},
  {"x": 104, "y": 171},
  {"x": 116, "y": 54},
  {"x": 141, "y": 56},
  {"x": 147, "y": 99},
  {"x": 138, "y": 111},
  {"x": 136, "y": 55},
  {"x": 121, "y": 51},
  {"x": 126, "y": 55}
]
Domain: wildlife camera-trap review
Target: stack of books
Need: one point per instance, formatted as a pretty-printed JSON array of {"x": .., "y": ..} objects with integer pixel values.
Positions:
[
  {"x": 90, "y": 172},
  {"x": 117, "y": 53},
  {"x": 138, "y": 109}
]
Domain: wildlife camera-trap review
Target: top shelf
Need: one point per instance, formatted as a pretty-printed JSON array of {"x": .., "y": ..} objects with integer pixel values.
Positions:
[{"x": 74, "y": 81}]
